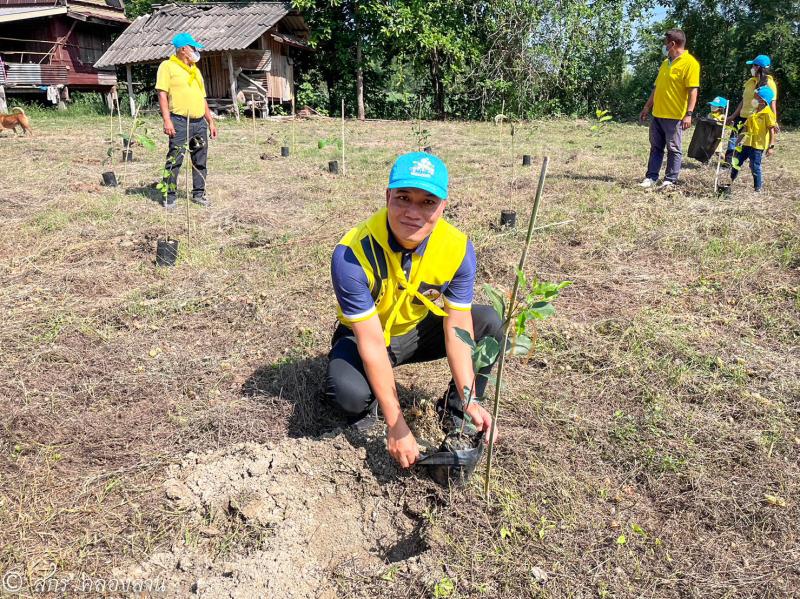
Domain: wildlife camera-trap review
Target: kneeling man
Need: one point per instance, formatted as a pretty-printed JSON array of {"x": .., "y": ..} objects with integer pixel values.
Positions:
[{"x": 404, "y": 282}]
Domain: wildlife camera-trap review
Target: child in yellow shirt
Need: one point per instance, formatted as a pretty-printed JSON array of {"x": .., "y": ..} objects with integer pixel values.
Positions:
[
  {"x": 758, "y": 135},
  {"x": 718, "y": 106}
]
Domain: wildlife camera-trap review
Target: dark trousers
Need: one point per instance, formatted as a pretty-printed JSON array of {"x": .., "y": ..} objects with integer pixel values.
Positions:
[
  {"x": 665, "y": 133},
  {"x": 346, "y": 384},
  {"x": 754, "y": 156},
  {"x": 177, "y": 148},
  {"x": 737, "y": 125}
]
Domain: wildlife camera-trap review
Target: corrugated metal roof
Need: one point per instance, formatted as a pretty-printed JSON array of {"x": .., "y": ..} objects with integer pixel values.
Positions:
[
  {"x": 227, "y": 26},
  {"x": 35, "y": 74},
  {"x": 20, "y": 13}
]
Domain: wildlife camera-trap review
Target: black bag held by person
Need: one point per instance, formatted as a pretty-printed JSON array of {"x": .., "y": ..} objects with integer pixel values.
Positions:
[{"x": 707, "y": 134}]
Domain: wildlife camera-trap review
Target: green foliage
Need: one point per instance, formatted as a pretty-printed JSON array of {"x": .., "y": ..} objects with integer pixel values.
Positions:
[
  {"x": 444, "y": 588},
  {"x": 329, "y": 141},
  {"x": 533, "y": 302},
  {"x": 312, "y": 93},
  {"x": 603, "y": 117}
]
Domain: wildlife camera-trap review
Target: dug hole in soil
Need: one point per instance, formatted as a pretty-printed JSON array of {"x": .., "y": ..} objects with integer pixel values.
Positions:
[{"x": 318, "y": 517}]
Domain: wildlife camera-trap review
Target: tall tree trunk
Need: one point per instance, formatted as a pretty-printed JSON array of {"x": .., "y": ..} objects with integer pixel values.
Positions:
[
  {"x": 359, "y": 79},
  {"x": 438, "y": 86}
]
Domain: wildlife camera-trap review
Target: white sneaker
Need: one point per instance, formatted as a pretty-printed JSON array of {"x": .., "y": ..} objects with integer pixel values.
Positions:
[
  {"x": 666, "y": 185},
  {"x": 647, "y": 183}
]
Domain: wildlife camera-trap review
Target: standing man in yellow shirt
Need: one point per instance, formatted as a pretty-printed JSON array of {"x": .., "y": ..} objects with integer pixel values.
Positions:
[
  {"x": 182, "y": 100},
  {"x": 672, "y": 101}
]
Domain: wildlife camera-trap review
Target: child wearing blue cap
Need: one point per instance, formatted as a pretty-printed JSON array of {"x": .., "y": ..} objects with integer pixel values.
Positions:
[
  {"x": 718, "y": 107},
  {"x": 759, "y": 77},
  {"x": 759, "y": 134},
  {"x": 404, "y": 282}
]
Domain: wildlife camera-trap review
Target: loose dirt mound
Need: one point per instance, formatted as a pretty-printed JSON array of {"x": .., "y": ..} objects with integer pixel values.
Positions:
[{"x": 312, "y": 511}]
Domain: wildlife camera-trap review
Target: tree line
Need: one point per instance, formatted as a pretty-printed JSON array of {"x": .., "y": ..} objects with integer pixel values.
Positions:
[{"x": 472, "y": 59}]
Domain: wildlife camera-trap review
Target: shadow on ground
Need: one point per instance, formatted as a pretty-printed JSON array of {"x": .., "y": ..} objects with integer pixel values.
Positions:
[
  {"x": 300, "y": 383},
  {"x": 147, "y": 191}
]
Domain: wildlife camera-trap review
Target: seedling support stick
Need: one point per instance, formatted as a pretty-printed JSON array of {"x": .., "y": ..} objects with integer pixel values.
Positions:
[
  {"x": 719, "y": 156},
  {"x": 129, "y": 143},
  {"x": 188, "y": 173},
  {"x": 253, "y": 110},
  {"x": 508, "y": 324},
  {"x": 344, "y": 170}
]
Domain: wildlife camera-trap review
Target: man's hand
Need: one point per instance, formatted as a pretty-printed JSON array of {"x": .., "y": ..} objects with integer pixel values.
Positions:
[
  {"x": 770, "y": 152},
  {"x": 212, "y": 127},
  {"x": 169, "y": 128},
  {"x": 402, "y": 444},
  {"x": 645, "y": 113},
  {"x": 686, "y": 122},
  {"x": 482, "y": 420}
]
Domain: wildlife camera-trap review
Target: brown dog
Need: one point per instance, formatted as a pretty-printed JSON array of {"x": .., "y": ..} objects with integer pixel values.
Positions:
[{"x": 17, "y": 117}]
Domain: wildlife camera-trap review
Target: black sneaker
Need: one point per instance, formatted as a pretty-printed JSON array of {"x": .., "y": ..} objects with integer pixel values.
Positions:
[
  {"x": 201, "y": 201},
  {"x": 366, "y": 421}
]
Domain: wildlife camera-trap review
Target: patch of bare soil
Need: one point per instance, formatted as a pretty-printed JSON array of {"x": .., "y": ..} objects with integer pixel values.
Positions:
[{"x": 315, "y": 512}]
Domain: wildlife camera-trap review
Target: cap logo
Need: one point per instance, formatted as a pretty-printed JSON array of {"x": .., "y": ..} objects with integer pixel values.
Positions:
[{"x": 423, "y": 168}]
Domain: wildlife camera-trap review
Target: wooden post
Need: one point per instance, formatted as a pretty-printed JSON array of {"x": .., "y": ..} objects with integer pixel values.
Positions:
[
  {"x": 232, "y": 77},
  {"x": 131, "y": 99},
  {"x": 3, "y": 105}
]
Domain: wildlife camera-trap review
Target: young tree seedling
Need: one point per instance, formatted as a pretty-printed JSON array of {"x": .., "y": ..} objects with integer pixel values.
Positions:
[{"x": 530, "y": 300}]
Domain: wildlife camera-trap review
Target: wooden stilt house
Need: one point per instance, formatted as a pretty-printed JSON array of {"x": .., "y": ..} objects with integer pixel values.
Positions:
[{"x": 49, "y": 47}]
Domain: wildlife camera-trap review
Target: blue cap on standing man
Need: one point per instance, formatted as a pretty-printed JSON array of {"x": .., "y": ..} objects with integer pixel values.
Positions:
[{"x": 186, "y": 39}]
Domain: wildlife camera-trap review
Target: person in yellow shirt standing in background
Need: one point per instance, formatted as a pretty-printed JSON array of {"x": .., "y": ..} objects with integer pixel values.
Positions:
[
  {"x": 182, "y": 100},
  {"x": 672, "y": 102},
  {"x": 759, "y": 134},
  {"x": 759, "y": 77}
]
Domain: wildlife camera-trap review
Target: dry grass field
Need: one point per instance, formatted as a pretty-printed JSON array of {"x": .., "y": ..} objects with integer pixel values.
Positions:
[{"x": 650, "y": 447}]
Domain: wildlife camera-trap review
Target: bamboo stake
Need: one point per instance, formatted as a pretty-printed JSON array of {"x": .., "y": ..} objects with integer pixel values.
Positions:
[
  {"x": 188, "y": 174},
  {"x": 111, "y": 155},
  {"x": 126, "y": 150},
  {"x": 344, "y": 172},
  {"x": 507, "y": 324},
  {"x": 253, "y": 110},
  {"x": 719, "y": 156}
]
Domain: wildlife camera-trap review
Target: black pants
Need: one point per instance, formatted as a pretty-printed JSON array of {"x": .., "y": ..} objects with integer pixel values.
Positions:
[
  {"x": 176, "y": 151},
  {"x": 346, "y": 384}
]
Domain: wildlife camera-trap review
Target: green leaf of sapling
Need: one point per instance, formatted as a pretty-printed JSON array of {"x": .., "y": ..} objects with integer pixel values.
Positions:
[
  {"x": 522, "y": 346},
  {"x": 496, "y": 299},
  {"x": 542, "y": 310},
  {"x": 465, "y": 337},
  {"x": 485, "y": 353}
]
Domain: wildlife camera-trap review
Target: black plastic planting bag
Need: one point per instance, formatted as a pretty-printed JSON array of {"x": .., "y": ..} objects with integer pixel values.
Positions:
[{"x": 707, "y": 134}]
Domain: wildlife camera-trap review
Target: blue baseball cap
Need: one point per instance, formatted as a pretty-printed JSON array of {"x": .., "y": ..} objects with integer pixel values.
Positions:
[
  {"x": 762, "y": 60},
  {"x": 765, "y": 93},
  {"x": 719, "y": 102},
  {"x": 422, "y": 171},
  {"x": 186, "y": 39}
]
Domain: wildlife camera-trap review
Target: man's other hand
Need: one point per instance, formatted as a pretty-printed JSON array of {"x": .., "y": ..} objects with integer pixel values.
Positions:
[
  {"x": 402, "y": 444},
  {"x": 686, "y": 122},
  {"x": 482, "y": 420},
  {"x": 644, "y": 114},
  {"x": 213, "y": 130},
  {"x": 169, "y": 128}
]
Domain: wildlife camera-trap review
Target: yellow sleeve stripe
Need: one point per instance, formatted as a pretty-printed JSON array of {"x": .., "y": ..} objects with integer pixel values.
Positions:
[
  {"x": 361, "y": 316},
  {"x": 457, "y": 306}
]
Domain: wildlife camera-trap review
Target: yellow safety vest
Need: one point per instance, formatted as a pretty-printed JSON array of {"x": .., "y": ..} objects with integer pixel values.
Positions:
[{"x": 402, "y": 303}]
